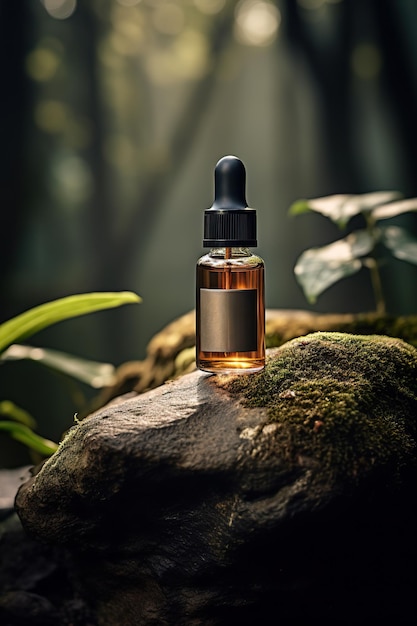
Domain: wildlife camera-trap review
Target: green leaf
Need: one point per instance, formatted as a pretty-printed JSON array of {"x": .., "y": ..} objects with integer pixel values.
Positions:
[
  {"x": 92, "y": 373},
  {"x": 402, "y": 243},
  {"x": 340, "y": 208},
  {"x": 12, "y": 411},
  {"x": 319, "y": 268},
  {"x": 395, "y": 208},
  {"x": 299, "y": 207},
  {"x": 25, "y": 435},
  {"x": 34, "y": 320},
  {"x": 315, "y": 275}
]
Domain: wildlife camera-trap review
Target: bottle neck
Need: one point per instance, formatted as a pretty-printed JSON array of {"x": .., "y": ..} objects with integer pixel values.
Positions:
[{"x": 229, "y": 252}]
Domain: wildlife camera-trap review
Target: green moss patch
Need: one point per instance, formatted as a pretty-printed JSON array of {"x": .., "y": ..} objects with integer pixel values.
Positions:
[{"x": 344, "y": 404}]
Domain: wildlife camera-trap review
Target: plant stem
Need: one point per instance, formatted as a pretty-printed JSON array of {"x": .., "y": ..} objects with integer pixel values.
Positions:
[
  {"x": 373, "y": 265},
  {"x": 377, "y": 285}
]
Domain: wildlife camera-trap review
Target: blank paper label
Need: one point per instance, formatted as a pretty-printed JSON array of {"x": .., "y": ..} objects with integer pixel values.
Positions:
[{"x": 228, "y": 320}]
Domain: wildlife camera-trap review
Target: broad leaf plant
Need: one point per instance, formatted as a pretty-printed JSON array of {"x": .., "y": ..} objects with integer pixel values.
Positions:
[
  {"x": 19, "y": 423},
  {"x": 318, "y": 268}
]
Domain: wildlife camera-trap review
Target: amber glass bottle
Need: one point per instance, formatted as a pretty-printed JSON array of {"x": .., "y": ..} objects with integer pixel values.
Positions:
[{"x": 230, "y": 310}]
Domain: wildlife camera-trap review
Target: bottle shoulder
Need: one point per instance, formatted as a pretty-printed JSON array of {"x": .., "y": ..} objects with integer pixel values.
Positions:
[{"x": 246, "y": 259}]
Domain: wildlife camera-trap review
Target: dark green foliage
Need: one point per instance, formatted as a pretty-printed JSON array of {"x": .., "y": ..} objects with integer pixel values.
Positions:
[{"x": 319, "y": 268}]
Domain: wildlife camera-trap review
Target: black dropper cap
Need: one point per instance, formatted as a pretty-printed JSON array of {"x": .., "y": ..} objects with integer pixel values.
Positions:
[{"x": 229, "y": 222}]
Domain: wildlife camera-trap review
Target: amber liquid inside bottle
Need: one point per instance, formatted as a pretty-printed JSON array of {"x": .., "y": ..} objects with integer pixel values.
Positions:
[{"x": 231, "y": 281}]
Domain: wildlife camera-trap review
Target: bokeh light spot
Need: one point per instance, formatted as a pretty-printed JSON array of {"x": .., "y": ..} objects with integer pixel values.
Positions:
[
  {"x": 256, "y": 22},
  {"x": 41, "y": 64},
  {"x": 60, "y": 9}
]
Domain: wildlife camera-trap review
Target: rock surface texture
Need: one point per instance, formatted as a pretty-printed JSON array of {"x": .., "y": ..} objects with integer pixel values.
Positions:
[{"x": 285, "y": 497}]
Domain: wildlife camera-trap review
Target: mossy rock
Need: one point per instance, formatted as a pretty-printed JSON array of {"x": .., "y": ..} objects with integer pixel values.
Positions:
[
  {"x": 340, "y": 402},
  {"x": 220, "y": 500}
]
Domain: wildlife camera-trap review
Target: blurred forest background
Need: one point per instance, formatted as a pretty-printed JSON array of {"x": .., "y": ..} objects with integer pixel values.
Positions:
[{"x": 113, "y": 116}]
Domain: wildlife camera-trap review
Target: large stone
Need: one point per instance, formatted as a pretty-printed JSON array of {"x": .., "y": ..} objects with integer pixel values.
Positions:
[{"x": 285, "y": 497}]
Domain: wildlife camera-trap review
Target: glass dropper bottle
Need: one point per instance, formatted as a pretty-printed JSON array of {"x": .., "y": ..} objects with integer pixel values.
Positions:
[{"x": 230, "y": 309}]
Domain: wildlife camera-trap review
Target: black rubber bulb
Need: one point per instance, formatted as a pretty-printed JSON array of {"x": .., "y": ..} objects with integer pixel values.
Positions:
[{"x": 229, "y": 184}]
